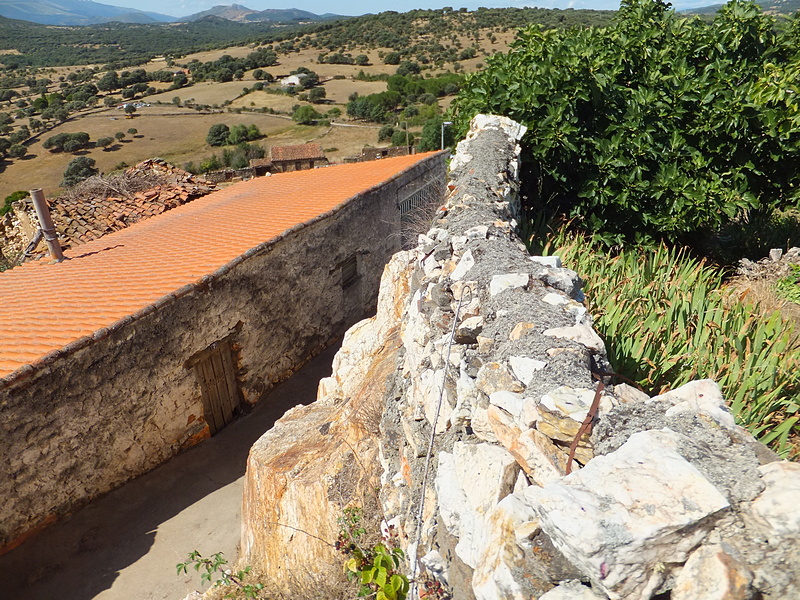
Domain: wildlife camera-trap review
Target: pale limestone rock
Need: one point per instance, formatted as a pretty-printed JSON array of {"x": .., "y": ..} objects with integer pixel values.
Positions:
[
  {"x": 520, "y": 330},
  {"x": 562, "y": 279},
  {"x": 481, "y": 426},
  {"x": 468, "y": 330},
  {"x": 554, "y": 299},
  {"x": 466, "y": 399},
  {"x": 501, "y": 559},
  {"x": 554, "y": 262},
  {"x": 561, "y": 414},
  {"x": 711, "y": 573},
  {"x": 583, "y": 334},
  {"x": 628, "y": 394},
  {"x": 479, "y": 232},
  {"x": 511, "y": 128},
  {"x": 436, "y": 565},
  {"x": 525, "y": 368},
  {"x": 507, "y": 281},
  {"x": 485, "y": 344},
  {"x": 466, "y": 262},
  {"x": 467, "y": 288},
  {"x": 495, "y": 377},
  {"x": 702, "y": 397},
  {"x": 464, "y": 505},
  {"x": 426, "y": 390},
  {"x": 509, "y": 401},
  {"x": 534, "y": 452},
  {"x": 627, "y": 517},
  {"x": 530, "y": 413},
  {"x": 469, "y": 308},
  {"x": 573, "y": 590},
  {"x": 776, "y": 511}
]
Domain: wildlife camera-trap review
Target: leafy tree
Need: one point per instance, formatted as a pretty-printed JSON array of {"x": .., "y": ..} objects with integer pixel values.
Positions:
[
  {"x": 392, "y": 58},
  {"x": 658, "y": 126},
  {"x": 305, "y": 115},
  {"x": 317, "y": 94},
  {"x": 362, "y": 60},
  {"x": 431, "y": 138},
  {"x": 133, "y": 130},
  {"x": 77, "y": 170},
  {"x": 120, "y": 135},
  {"x": 130, "y": 109},
  {"x": 66, "y": 142},
  {"x": 218, "y": 135},
  {"x": 104, "y": 142},
  {"x": 17, "y": 151}
]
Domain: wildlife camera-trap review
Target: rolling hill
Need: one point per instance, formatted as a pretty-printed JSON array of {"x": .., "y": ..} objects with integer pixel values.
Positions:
[
  {"x": 242, "y": 14},
  {"x": 75, "y": 12}
]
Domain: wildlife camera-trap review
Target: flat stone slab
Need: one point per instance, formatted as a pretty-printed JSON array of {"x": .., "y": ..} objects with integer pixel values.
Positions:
[{"x": 627, "y": 516}]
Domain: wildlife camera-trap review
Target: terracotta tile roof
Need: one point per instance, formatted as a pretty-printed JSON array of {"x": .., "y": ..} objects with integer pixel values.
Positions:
[
  {"x": 46, "y": 306},
  {"x": 300, "y": 152}
]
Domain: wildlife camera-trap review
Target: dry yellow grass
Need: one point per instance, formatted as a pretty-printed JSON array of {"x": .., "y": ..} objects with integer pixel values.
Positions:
[{"x": 176, "y": 135}]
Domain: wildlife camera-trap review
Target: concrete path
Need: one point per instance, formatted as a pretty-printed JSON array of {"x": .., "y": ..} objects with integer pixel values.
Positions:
[{"x": 125, "y": 545}]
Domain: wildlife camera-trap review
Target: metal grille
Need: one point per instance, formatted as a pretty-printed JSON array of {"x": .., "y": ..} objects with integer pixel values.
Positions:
[{"x": 418, "y": 209}]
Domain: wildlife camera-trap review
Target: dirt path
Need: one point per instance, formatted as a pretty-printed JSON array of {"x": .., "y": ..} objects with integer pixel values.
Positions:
[{"x": 125, "y": 545}]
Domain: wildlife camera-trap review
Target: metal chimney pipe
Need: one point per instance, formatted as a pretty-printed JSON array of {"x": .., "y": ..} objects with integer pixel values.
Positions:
[{"x": 46, "y": 222}]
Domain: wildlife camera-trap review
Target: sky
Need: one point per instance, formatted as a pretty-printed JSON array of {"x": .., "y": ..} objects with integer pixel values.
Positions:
[{"x": 182, "y": 8}]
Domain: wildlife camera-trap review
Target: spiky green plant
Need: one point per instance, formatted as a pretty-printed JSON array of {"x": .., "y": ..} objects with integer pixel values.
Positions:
[{"x": 666, "y": 320}]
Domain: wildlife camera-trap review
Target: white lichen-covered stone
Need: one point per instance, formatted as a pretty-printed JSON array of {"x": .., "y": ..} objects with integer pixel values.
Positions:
[
  {"x": 583, "y": 334},
  {"x": 509, "y": 401},
  {"x": 525, "y": 368},
  {"x": 555, "y": 299},
  {"x": 465, "y": 263},
  {"x": 507, "y": 281},
  {"x": 534, "y": 452},
  {"x": 776, "y": 511},
  {"x": 553, "y": 262},
  {"x": 711, "y": 573},
  {"x": 478, "y": 232},
  {"x": 463, "y": 505},
  {"x": 572, "y": 590},
  {"x": 702, "y": 397},
  {"x": 628, "y": 516},
  {"x": 498, "y": 574}
]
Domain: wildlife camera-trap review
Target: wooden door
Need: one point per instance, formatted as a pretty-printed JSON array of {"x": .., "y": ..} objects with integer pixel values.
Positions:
[{"x": 217, "y": 376}]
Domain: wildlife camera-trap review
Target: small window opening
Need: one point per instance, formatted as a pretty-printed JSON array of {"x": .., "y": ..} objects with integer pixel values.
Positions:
[{"x": 349, "y": 271}]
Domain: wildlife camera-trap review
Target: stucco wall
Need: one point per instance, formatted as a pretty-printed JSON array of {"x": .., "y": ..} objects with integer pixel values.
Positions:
[{"x": 116, "y": 406}]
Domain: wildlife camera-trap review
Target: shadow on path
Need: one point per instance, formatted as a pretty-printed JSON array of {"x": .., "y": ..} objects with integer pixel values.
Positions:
[{"x": 124, "y": 546}]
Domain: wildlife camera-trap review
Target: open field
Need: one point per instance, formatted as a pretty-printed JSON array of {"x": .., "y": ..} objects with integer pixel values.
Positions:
[{"x": 176, "y": 135}]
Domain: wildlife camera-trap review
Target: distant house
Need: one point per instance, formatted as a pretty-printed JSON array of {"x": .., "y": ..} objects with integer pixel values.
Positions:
[
  {"x": 378, "y": 153},
  {"x": 297, "y": 158},
  {"x": 293, "y": 80}
]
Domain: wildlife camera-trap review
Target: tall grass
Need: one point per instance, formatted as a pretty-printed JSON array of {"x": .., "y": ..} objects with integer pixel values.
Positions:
[{"x": 666, "y": 320}]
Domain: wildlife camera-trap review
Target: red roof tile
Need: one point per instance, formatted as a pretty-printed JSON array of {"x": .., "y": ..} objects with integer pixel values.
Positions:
[
  {"x": 46, "y": 306},
  {"x": 300, "y": 152}
]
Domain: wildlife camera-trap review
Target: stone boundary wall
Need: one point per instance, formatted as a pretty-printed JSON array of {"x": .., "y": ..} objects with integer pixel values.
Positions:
[
  {"x": 667, "y": 496},
  {"x": 116, "y": 404}
]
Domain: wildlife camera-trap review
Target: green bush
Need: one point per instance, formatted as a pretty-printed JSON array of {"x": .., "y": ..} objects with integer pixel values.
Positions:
[
  {"x": 657, "y": 127},
  {"x": 79, "y": 169}
]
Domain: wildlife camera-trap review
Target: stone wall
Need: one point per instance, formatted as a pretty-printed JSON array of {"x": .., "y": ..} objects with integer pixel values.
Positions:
[
  {"x": 117, "y": 404},
  {"x": 470, "y": 385}
]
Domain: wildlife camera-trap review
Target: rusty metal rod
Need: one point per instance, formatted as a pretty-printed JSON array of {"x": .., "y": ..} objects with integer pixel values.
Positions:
[{"x": 46, "y": 223}]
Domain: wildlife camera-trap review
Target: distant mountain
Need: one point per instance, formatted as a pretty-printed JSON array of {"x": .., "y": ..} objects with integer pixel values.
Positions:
[
  {"x": 242, "y": 14},
  {"x": 774, "y": 7},
  {"x": 75, "y": 12},
  {"x": 234, "y": 12}
]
